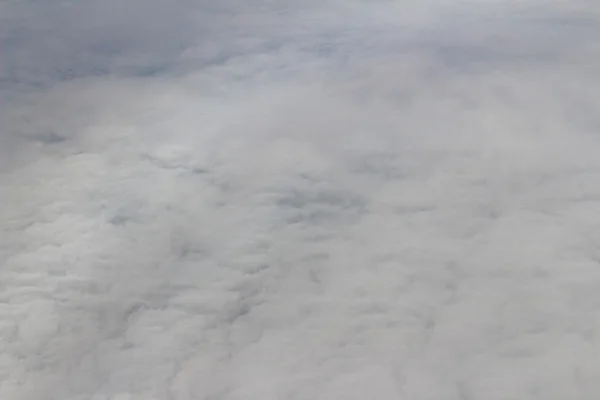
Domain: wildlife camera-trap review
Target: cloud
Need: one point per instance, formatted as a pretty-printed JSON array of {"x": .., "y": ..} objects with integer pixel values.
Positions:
[{"x": 282, "y": 200}]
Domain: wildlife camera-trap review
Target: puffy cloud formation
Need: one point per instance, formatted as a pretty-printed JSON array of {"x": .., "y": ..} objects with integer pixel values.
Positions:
[{"x": 299, "y": 200}]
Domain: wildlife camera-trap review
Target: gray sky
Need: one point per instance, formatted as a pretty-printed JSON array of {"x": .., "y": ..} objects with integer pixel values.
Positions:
[{"x": 299, "y": 200}]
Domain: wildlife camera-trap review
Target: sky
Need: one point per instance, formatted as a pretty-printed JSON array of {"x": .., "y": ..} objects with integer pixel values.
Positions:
[{"x": 317, "y": 200}]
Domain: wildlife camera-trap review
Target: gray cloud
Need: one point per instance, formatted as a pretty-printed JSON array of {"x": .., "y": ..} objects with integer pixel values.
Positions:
[{"x": 280, "y": 200}]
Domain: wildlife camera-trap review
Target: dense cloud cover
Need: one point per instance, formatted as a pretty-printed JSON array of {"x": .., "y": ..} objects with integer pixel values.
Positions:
[{"x": 299, "y": 200}]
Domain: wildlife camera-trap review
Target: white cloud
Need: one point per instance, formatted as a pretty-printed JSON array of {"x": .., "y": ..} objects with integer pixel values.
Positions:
[{"x": 327, "y": 201}]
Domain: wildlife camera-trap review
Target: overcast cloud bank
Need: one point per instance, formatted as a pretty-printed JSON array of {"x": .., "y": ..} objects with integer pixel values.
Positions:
[{"x": 300, "y": 200}]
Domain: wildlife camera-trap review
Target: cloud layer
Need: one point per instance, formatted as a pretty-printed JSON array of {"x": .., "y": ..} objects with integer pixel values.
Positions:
[{"x": 332, "y": 200}]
